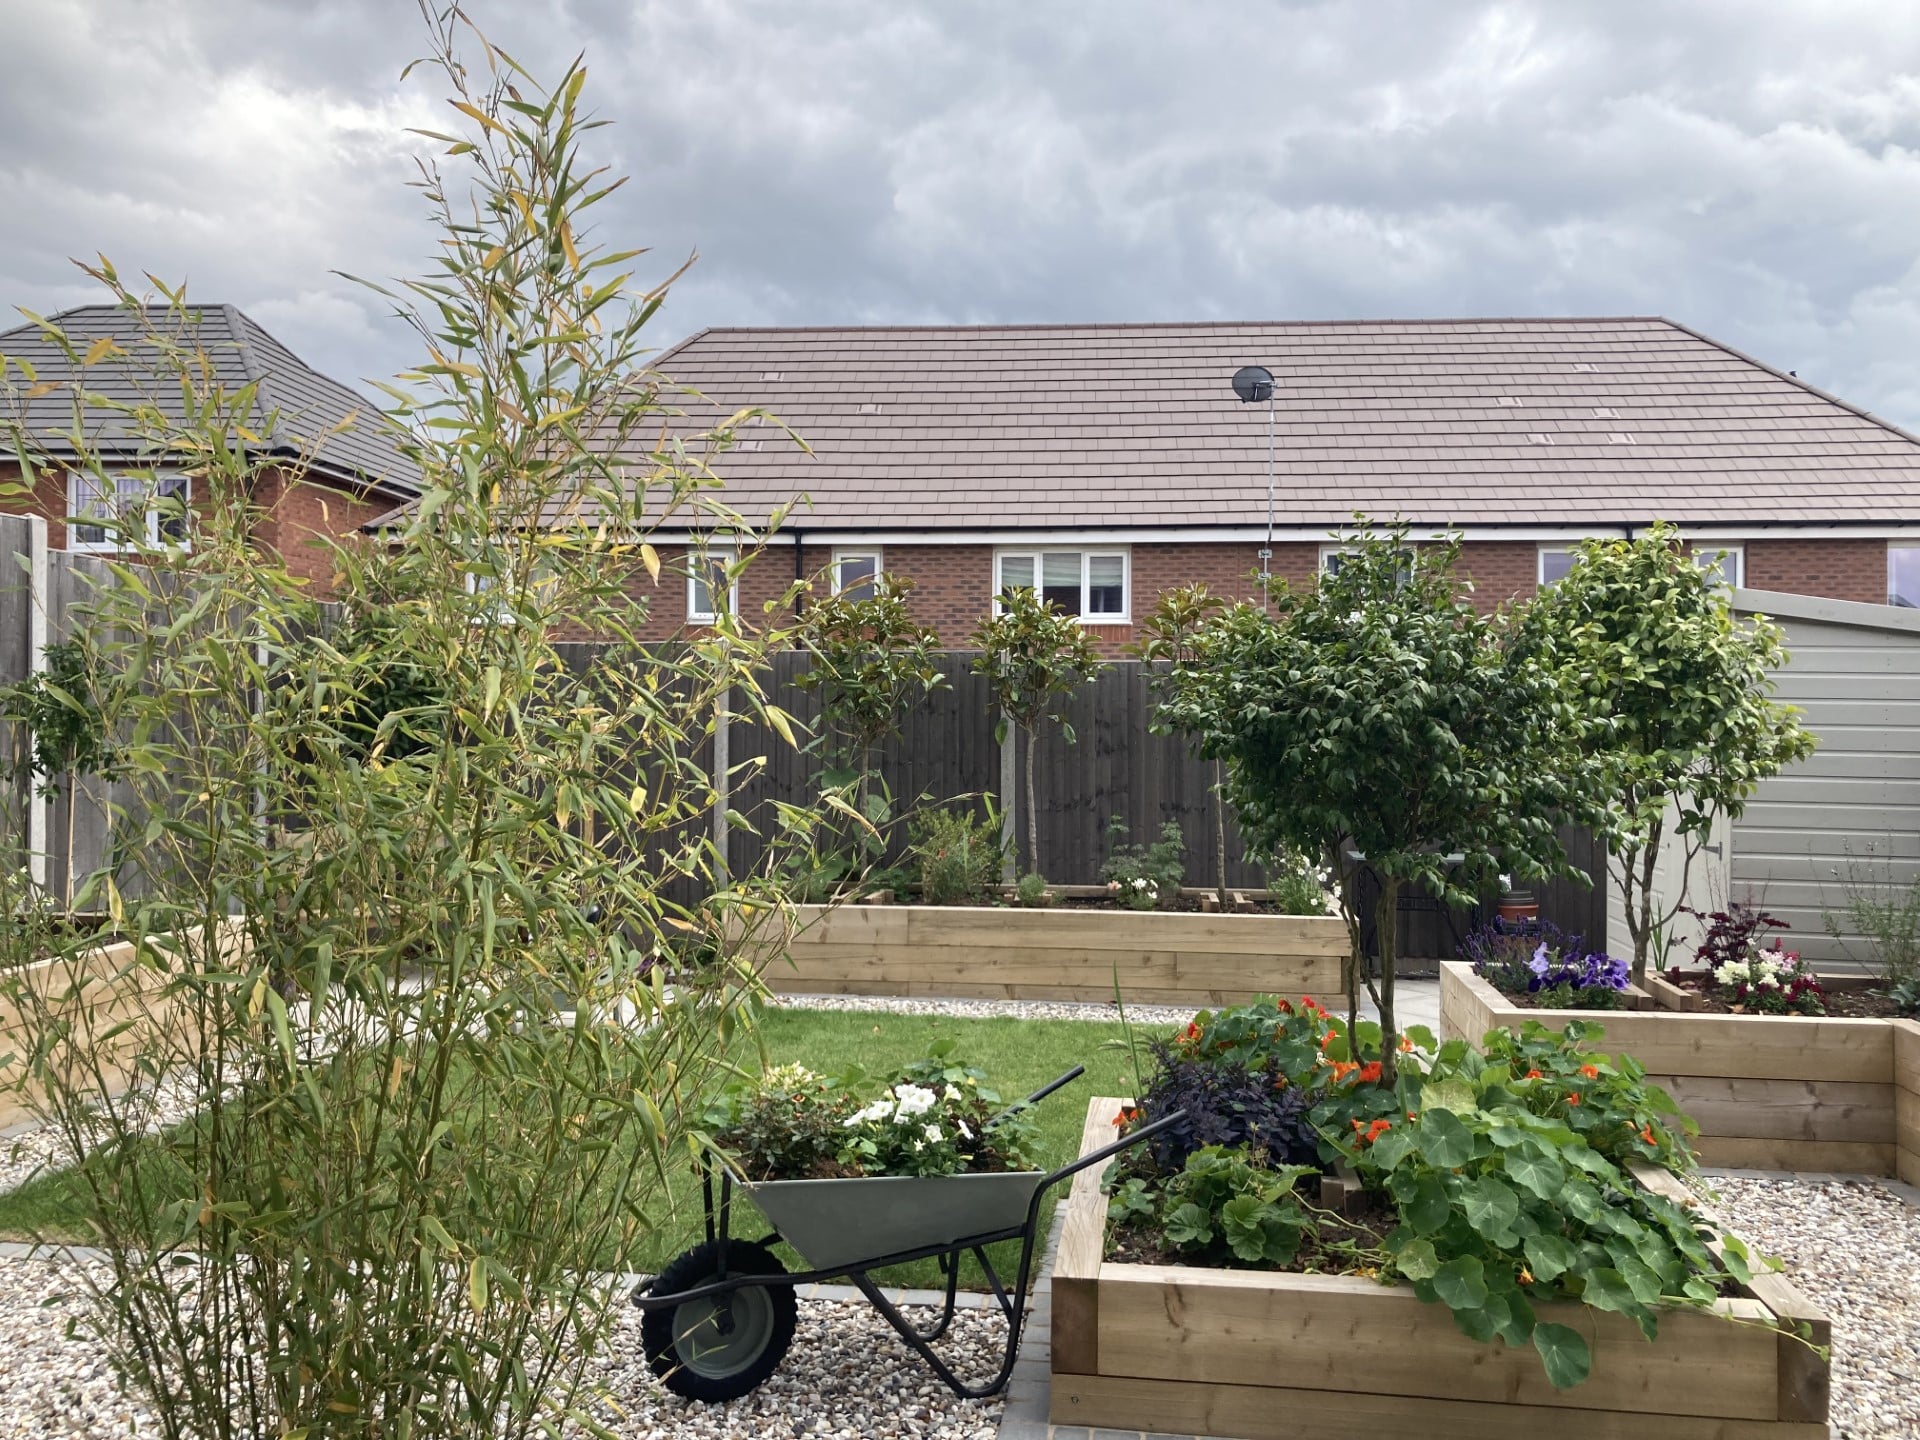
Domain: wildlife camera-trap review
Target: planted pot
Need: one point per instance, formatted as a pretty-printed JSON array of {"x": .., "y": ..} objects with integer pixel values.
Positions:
[{"x": 834, "y": 1223}]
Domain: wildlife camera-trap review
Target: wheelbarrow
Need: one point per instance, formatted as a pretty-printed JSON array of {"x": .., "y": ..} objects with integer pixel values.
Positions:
[{"x": 718, "y": 1319}]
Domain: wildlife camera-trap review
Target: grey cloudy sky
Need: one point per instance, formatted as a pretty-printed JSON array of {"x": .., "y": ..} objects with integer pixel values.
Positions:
[{"x": 1750, "y": 167}]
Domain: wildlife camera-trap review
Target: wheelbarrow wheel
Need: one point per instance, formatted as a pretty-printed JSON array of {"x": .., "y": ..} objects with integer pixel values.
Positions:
[{"x": 718, "y": 1347}]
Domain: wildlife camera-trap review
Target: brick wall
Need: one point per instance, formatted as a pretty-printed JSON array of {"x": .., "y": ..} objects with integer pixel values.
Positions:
[
  {"x": 1501, "y": 570},
  {"x": 1837, "y": 569},
  {"x": 291, "y": 515}
]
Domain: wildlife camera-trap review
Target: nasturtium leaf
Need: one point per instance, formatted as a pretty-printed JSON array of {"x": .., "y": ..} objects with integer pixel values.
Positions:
[
  {"x": 1642, "y": 1281},
  {"x": 1581, "y": 1201},
  {"x": 1564, "y": 1353},
  {"x": 1531, "y": 1165},
  {"x": 1549, "y": 1256},
  {"x": 1456, "y": 1095},
  {"x": 1607, "y": 1289},
  {"x": 1392, "y": 1147},
  {"x": 1734, "y": 1252},
  {"x": 1428, "y": 1209},
  {"x": 1477, "y": 1324},
  {"x": 1417, "y": 1261},
  {"x": 1506, "y": 1136},
  {"x": 1490, "y": 1206},
  {"x": 1443, "y": 1140},
  {"x": 1461, "y": 1283}
]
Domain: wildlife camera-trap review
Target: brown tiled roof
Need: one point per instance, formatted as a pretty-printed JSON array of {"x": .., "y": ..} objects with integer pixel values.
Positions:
[
  {"x": 299, "y": 412},
  {"x": 1474, "y": 422}
]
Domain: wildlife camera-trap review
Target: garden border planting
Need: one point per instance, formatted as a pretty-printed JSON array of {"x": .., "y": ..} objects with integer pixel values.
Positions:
[
  {"x": 1769, "y": 1092},
  {"x": 1009, "y": 953},
  {"x": 1261, "y": 1355}
]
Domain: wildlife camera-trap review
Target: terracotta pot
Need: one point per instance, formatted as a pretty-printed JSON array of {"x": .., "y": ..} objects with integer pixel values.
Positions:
[{"x": 1519, "y": 907}]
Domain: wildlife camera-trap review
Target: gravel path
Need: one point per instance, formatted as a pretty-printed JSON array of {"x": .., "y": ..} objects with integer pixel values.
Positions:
[
  {"x": 986, "y": 1009},
  {"x": 1854, "y": 1249},
  {"x": 847, "y": 1375}
]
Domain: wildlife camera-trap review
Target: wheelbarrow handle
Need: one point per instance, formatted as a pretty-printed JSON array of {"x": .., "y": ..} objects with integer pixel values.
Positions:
[
  {"x": 1107, "y": 1152},
  {"x": 1037, "y": 1096}
]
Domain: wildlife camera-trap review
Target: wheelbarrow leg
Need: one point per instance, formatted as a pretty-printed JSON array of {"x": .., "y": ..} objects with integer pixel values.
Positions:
[{"x": 950, "y": 1266}]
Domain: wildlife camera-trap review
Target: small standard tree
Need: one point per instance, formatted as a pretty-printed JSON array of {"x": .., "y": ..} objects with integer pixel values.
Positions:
[
  {"x": 871, "y": 659},
  {"x": 1166, "y": 635},
  {"x": 1680, "y": 693},
  {"x": 1033, "y": 655},
  {"x": 1382, "y": 721}
]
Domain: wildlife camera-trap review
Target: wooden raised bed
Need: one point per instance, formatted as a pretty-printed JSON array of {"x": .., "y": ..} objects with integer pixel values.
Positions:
[
  {"x": 1263, "y": 1355},
  {"x": 110, "y": 1001},
  {"x": 1007, "y": 953},
  {"x": 1769, "y": 1092}
]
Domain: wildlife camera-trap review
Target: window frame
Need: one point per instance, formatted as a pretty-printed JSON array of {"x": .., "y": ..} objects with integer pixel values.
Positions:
[
  {"x": 723, "y": 554},
  {"x": 1911, "y": 547},
  {"x": 1735, "y": 551},
  {"x": 875, "y": 553},
  {"x": 151, "y": 488},
  {"x": 1540, "y": 580},
  {"x": 1087, "y": 553},
  {"x": 1330, "y": 552}
]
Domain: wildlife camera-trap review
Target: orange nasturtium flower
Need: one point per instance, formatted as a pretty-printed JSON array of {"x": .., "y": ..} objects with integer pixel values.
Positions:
[
  {"x": 1406, "y": 1044},
  {"x": 1343, "y": 1068},
  {"x": 1573, "y": 1097},
  {"x": 1533, "y": 1074},
  {"x": 1646, "y": 1134},
  {"x": 1592, "y": 1072},
  {"x": 1131, "y": 1113},
  {"x": 1370, "y": 1072}
]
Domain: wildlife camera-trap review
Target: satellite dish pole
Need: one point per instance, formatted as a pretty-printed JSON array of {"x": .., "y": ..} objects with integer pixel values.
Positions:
[{"x": 1254, "y": 383}]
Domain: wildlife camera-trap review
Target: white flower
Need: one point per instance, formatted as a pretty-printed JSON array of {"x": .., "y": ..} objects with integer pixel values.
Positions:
[
  {"x": 1140, "y": 883},
  {"x": 950, "y": 1094},
  {"x": 878, "y": 1110},
  {"x": 912, "y": 1100},
  {"x": 965, "y": 1133},
  {"x": 932, "y": 1132}
]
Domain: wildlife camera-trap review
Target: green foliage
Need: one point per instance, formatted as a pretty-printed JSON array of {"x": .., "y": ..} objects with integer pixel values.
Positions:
[
  {"x": 1298, "y": 885},
  {"x": 1030, "y": 891},
  {"x": 1679, "y": 694},
  {"x": 413, "y": 973},
  {"x": 59, "y": 718},
  {"x": 1165, "y": 634},
  {"x": 933, "y": 1116},
  {"x": 1033, "y": 656},
  {"x": 1224, "y": 1205},
  {"x": 1505, "y": 1168},
  {"x": 1382, "y": 714},
  {"x": 1145, "y": 877},
  {"x": 957, "y": 854},
  {"x": 870, "y": 660},
  {"x": 1884, "y": 909}
]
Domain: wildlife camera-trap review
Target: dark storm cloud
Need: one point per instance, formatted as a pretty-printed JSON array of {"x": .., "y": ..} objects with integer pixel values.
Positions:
[{"x": 1747, "y": 166}]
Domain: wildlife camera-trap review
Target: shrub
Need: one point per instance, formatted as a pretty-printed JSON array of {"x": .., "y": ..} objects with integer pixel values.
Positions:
[
  {"x": 1231, "y": 1105},
  {"x": 1031, "y": 891},
  {"x": 1145, "y": 877},
  {"x": 957, "y": 854},
  {"x": 1297, "y": 885},
  {"x": 1223, "y": 1203},
  {"x": 1886, "y": 911}
]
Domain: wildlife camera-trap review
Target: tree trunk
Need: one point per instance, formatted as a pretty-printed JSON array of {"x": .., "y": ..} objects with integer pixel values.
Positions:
[
  {"x": 1220, "y": 826},
  {"x": 1636, "y": 897},
  {"x": 73, "y": 801},
  {"x": 1386, "y": 925},
  {"x": 1033, "y": 813}
]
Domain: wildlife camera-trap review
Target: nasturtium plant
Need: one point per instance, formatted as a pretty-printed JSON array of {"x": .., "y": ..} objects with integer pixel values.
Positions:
[{"x": 1505, "y": 1168}]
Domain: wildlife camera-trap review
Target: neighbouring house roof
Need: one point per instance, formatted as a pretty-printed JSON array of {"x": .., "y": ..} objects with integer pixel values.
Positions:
[
  {"x": 1480, "y": 423},
  {"x": 300, "y": 412}
]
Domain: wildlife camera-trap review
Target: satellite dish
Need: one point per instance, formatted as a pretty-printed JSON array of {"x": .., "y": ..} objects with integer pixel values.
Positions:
[{"x": 1253, "y": 383}]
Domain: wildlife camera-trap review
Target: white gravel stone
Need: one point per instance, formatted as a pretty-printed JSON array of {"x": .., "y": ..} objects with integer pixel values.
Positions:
[
  {"x": 987, "y": 1009},
  {"x": 847, "y": 1375},
  {"x": 1853, "y": 1249}
]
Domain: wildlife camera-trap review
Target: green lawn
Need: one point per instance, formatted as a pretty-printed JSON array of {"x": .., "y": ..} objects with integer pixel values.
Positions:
[{"x": 1019, "y": 1055}]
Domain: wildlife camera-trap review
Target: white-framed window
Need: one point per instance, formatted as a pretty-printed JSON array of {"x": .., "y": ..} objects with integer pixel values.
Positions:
[
  {"x": 1731, "y": 566},
  {"x": 1555, "y": 562},
  {"x": 707, "y": 582},
  {"x": 1093, "y": 585},
  {"x": 127, "y": 509},
  {"x": 855, "y": 572},
  {"x": 1903, "y": 575},
  {"x": 1333, "y": 556}
]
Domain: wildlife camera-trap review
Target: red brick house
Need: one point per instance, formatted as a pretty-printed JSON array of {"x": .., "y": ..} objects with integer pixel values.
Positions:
[
  {"x": 1113, "y": 461},
  {"x": 329, "y": 463}
]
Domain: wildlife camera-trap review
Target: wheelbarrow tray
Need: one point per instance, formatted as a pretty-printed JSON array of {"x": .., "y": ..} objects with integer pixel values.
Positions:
[{"x": 840, "y": 1223}]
